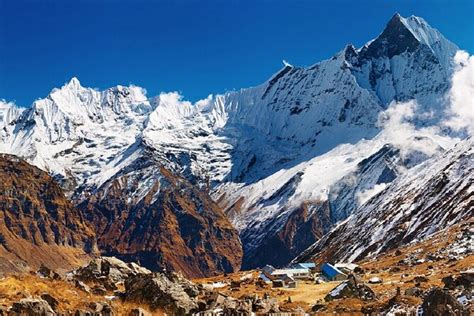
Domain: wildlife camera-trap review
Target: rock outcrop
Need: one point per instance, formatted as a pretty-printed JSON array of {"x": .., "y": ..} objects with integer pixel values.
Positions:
[
  {"x": 108, "y": 269},
  {"x": 158, "y": 291},
  {"x": 352, "y": 288},
  {"x": 31, "y": 307},
  {"x": 438, "y": 302}
]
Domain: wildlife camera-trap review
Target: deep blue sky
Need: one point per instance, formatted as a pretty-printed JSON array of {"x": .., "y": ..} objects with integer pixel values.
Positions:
[{"x": 195, "y": 47}]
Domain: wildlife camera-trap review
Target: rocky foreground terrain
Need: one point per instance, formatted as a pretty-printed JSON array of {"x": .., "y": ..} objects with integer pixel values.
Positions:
[{"x": 435, "y": 277}]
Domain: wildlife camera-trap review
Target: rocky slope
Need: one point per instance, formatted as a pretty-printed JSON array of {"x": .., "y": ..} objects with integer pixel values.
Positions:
[
  {"x": 433, "y": 196},
  {"x": 172, "y": 225},
  {"x": 38, "y": 224},
  {"x": 285, "y": 160}
]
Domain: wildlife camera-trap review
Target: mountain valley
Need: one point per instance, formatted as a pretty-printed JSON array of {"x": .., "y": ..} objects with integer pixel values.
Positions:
[{"x": 361, "y": 158}]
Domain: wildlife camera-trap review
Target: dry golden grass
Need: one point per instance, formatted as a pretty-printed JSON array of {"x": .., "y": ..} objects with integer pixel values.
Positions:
[{"x": 15, "y": 287}]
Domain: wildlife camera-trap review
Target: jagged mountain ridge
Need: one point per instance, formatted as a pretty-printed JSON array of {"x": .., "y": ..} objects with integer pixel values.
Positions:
[{"x": 270, "y": 154}]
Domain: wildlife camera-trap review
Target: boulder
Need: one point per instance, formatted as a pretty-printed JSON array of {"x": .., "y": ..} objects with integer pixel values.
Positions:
[
  {"x": 266, "y": 305},
  {"x": 108, "y": 269},
  {"x": 351, "y": 288},
  {"x": 99, "y": 290},
  {"x": 440, "y": 302},
  {"x": 189, "y": 287},
  {"x": 414, "y": 291},
  {"x": 82, "y": 286},
  {"x": 46, "y": 272},
  {"x": 465, "y": 279},
  {"x": 397, "y": 305},
  {"x": 52, "y": 301},
  {"x": 375, "y": 280},
  {"x": 102, "y": 309},
  {"x": 32, "y": 307},
  {"x": 139, "y": 312},
  {"x": 158, "y": 291}
]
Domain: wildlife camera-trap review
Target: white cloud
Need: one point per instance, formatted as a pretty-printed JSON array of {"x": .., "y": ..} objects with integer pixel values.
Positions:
[
  {"x": 399, "y": 130},
  {"x": 366, "y": 195},
  {"x": 461, "y": 97},
  {"x": 397, "y": 120}
]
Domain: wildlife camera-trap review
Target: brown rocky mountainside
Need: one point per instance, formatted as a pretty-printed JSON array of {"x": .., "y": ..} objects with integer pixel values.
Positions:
[
  {"x": 38, "y": 225},
  {"x": 174, "y": 225}
]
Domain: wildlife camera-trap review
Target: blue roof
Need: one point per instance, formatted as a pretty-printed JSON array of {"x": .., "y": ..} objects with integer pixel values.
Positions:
[
  {"x": 264, "y": 277},
  {"x": 329, "y": 270},
  {"x": 308, "y": 265}
]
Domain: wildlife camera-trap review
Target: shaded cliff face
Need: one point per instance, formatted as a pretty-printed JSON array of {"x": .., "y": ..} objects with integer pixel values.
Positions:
[
  {"x": 36, "y": 220},
  {"x": 301, "y": 229},
  {"x": 150, "y": 215}
]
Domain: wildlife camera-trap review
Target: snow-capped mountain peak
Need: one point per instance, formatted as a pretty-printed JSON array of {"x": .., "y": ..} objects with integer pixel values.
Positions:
[
  {"x": 74, "y": 83},
  {"x": 292, "y": 150},
  {"x": 406, "y": 35}
]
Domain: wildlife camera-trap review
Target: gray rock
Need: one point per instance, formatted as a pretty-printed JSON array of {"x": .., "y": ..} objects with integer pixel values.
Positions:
[
  {"x": 266, "y": 305},
  {"x": 108, "y": 269},
  {"x": 440, "y": 302},
  {"x": 82, "y": 286},
  {"x": 188, "y": 286},
  {"x": 139, "y": 312},
  {"x": 32, "y": 307},
  {"x": 158, "y": 291},
  {"x": 102, "y": 309},
  {"x": 352, "y": 287},
  {"x": 52, "y": 301}
]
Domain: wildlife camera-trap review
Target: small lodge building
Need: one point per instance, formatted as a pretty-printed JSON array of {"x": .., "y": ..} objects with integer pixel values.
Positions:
[
  {"x": 284, "y": 281},
  {"x": 295, "y": 273},
  {"x": 284, "y": 277},
  {"x": 347, "y": 268},
  {"x": 332, "y": 273}
]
